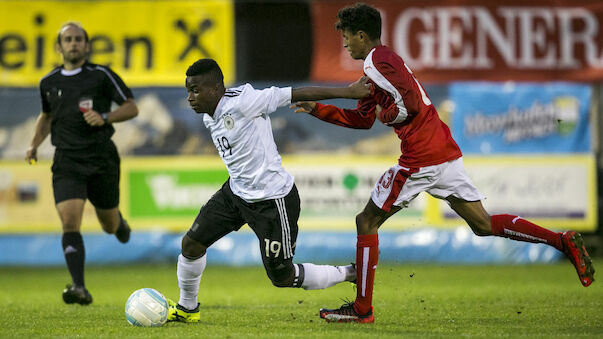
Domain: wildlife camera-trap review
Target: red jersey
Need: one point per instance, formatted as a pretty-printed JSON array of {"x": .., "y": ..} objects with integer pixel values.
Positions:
[{"x": 425, "y": 139}]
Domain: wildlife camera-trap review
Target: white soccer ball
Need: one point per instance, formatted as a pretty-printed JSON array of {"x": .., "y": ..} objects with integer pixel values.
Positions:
[{"x": 147, "y": 307}]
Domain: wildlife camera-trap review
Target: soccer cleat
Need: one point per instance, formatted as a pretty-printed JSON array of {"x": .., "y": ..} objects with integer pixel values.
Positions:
[
  {"x": 123, "y": 231},
  {"x": 573, "y": 247},
  {"x": 346, "y": 314},
  {"x": 181, "y": 314},
  {"x": 76, "y": 294}
]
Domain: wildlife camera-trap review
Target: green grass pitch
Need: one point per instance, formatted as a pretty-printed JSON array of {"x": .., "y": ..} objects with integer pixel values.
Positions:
[{"x": 531, "y": 301}]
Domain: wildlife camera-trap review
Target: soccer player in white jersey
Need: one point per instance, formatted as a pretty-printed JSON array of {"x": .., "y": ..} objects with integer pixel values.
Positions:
[{"x": 259, "y": 192}]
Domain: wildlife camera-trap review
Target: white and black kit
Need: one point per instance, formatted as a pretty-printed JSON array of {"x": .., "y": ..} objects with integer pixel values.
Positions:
[{"x": 259, "y": 192}]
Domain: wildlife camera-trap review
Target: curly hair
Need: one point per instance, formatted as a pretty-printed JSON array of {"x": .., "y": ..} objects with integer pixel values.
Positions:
[{"x": 360, "y": 17}]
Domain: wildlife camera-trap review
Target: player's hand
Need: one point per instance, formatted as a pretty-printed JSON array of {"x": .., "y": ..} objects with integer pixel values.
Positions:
[
  {"x": 93, "y": 118},
  {"x": 31, "y": 155},
  {"x": 360, "y": 88},
  {"x": 303, "y": 106}
]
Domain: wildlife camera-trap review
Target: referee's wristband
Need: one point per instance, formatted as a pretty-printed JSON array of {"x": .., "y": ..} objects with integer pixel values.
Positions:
[{"x": 105, "y": 117}]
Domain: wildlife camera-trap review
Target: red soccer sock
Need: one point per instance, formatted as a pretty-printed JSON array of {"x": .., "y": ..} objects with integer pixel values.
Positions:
[
  {"x": 367, "y": 256},
  {"x": 516, "y": 228}
]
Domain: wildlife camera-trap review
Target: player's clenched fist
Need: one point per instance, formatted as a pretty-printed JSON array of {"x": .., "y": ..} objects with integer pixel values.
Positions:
[{"x": 361, "y": 88}]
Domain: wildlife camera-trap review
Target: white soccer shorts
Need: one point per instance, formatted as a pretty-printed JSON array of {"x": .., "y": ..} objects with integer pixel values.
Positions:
[{"x": 399, "y": 185}]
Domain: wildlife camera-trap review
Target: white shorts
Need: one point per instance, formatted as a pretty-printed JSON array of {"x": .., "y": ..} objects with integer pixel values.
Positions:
[{"x": 399, "y": 185}]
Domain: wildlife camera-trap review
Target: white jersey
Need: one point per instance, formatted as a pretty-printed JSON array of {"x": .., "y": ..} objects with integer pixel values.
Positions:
[{"x": 241, "y": 130}]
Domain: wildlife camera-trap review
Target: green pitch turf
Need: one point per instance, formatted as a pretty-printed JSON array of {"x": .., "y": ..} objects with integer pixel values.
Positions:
[{"x": 536, "y": 301}]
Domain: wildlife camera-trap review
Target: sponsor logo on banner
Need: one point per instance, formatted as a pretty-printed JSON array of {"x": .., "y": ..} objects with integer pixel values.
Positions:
[
  {"x": 341, "y": 191},
  {"x": 521, "y": 118},
  {"x": 559, "y": 116},
  {"x": 172, "y": 193},
  {"x": 332, "y": 192},
  {"x": 555, "y": 191},
  {"x": 147, "y": 43},
  {"x": 522, "y": 40}
]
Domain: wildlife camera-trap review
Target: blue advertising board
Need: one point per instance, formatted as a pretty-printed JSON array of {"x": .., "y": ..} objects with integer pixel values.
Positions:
[
  {"x": 521, "y": 118},
  {"x": 241, "y": 248}
]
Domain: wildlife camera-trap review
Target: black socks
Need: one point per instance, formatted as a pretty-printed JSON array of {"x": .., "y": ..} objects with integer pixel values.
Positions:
[{"x": 75, "y": 255}]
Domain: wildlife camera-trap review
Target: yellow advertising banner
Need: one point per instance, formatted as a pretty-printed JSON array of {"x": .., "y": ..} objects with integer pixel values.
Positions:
[
  {"x": 148, "y": 43},
  {"x": 166, "y": 193}
]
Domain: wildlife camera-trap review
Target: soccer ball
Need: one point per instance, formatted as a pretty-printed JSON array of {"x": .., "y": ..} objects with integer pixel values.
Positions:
[{"x": 147, "y": 307}]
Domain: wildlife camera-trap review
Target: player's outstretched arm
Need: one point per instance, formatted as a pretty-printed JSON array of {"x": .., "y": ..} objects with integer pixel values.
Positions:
[
  {"x": 126, "y": 111},
  {"x": 350, "y": 118},
  {"x": 356, "y": 90},
  {"x": 42, "y": 130}
]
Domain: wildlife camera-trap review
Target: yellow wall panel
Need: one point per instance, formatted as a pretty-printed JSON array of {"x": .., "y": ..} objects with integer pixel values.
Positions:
[{"x": 149, "y": 43}]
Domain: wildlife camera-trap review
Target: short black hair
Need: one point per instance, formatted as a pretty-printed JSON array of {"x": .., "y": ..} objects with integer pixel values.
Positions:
[
  {"x": 74, "y": 24},
  {"x": 206, "y": 66},
  {"x": 360, "y": 17}
]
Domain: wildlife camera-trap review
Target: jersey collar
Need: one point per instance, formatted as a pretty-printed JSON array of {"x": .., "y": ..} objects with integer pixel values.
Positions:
[{"x": 71, "y": 72}]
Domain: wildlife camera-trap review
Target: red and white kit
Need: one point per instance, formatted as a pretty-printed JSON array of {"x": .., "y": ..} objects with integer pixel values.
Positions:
[
  {"x": 428, "y": 151},
  {"x": 431, "y": 161}
]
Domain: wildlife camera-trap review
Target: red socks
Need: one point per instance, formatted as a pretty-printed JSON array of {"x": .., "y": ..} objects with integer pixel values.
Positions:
[
  {"x": 503, "y": 225},
  {"x": 516, "y": 228},
  {"x": 367, "y": 256}
]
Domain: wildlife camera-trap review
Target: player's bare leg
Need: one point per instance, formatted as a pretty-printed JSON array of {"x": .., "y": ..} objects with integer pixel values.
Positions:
[
  {"x": 517, "y": 228},
  {"x": 112, "y": 222},
  {"x": 71, "y": 211},
  {"x": 474, "y": 214}
]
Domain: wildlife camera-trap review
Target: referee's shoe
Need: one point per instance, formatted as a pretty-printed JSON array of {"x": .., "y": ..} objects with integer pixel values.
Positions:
[
  {"x": 123, "y": 231},
  {"x": 76, "y": 294}
]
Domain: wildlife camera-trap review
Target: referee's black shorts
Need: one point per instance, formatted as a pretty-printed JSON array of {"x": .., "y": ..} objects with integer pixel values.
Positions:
[
  {"x": 274, "y": 222},
  {"x": 92, "y": 174}
]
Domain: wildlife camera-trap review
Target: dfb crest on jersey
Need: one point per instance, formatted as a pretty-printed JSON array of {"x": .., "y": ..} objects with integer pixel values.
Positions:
[{"x": 228, "y": 122}]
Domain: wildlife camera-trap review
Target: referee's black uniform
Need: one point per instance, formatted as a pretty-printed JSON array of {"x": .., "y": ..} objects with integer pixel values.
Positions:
[{"x": 86, "y": 162}]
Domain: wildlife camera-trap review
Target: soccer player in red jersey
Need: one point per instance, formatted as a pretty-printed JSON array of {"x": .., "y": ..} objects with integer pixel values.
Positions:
[{"x": 431, "y": 161}]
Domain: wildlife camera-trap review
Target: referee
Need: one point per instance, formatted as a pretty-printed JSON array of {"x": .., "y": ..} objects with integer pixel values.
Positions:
[{"x": 76, "y": 112}]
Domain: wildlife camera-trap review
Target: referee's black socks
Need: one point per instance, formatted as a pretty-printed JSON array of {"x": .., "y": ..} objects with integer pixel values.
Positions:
[
  {"x": 75, "y": 255},
  {"x": 123, "y": 230}
]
